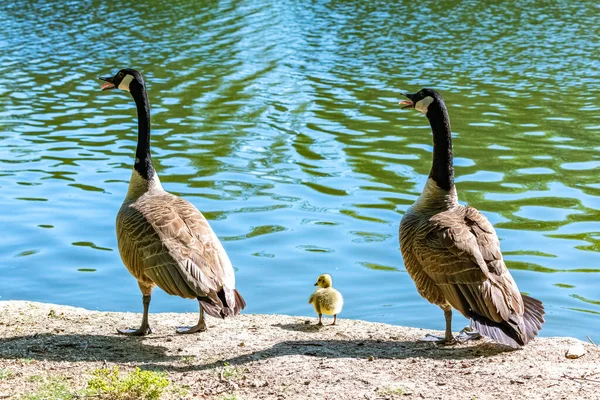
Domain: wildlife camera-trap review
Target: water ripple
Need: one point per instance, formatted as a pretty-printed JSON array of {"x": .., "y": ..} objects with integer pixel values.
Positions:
[{"x": 279, "y": 120}]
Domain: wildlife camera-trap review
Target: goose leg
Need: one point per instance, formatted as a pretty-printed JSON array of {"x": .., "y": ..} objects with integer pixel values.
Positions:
[
  {"x": 320, "y": 323},
  {"x": 334, "y": 319},
  {"x": 144, "y": 329},
  {"x": 448, "y": 338},
  {"x": 199, "y": 327}
]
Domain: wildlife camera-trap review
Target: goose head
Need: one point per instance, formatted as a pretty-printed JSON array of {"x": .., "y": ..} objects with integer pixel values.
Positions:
[
  {"x": 423, "y": 100},
  {"x": 126, "y": 79},
  {"x": 324, "y": 281}
]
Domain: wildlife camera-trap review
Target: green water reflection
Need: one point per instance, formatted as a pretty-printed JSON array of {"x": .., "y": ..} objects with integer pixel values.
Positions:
[{"x": 279, "y": 121}]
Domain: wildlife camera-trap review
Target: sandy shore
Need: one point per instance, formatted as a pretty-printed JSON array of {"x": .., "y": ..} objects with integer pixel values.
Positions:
[{"x": 282, "y": 357}]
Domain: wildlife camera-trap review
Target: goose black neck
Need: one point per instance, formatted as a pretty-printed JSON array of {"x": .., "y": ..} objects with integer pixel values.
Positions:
[
  {"x": 442, "y": 171},
  {"x": 143, "y": 160}
]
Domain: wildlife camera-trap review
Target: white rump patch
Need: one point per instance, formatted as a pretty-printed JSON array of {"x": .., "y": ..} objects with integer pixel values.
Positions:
[
  {"x": 421, "y": 105},
  {"x": 124, "y": 85}
]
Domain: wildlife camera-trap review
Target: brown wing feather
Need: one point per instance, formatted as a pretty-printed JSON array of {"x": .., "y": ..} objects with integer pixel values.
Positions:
[
  {"x": 465, "y": 261},
  {"x": 411, "y": 234},
  {"x": 131, "y": 231},
  {"x": 170, "y": 242}
]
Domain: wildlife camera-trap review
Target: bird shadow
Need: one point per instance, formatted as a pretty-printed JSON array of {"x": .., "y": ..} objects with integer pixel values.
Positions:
[
  {"x": 370, "y": 349},
  {"x": 87, "y": 347},
  {"x": 81, "y": 347},
  {"x": 303, "y": 327}
]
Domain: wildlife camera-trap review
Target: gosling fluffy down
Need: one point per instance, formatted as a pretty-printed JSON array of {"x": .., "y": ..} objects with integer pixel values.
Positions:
[{"x": 326, "y": 299}]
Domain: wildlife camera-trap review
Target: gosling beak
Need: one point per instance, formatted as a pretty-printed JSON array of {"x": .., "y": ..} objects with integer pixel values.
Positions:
[
  {"x": 316, "y": 284},
  {"x": 407, "y": 103},
  {"x": 109, "y": 83}
]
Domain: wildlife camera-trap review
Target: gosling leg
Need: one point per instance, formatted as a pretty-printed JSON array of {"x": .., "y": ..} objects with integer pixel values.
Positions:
[
  {"x": 144, "y": 329},
  {"x": 334, "y": 319},
  {"x": 320, "y": 323},
  {"x": 199, "y": 327}
]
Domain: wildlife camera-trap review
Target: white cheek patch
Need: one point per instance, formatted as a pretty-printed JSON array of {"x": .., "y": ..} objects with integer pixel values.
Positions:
[
  {"x": 421, "y": 105},
  {"x": 124, "y": 85}
]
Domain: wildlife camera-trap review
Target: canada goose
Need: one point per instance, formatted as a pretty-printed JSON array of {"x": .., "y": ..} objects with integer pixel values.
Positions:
[
  {"x": 326, "y": 299},
  {"x": 452, "y": 252},
  {"x": 163, "y": 239}
]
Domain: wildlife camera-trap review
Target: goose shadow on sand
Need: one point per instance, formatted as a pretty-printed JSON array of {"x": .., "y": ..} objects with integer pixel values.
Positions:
[
  {"x": 83, "y": 347},
  {"x": 149, "y": 351},
  {"x": 359, "y": 349}
]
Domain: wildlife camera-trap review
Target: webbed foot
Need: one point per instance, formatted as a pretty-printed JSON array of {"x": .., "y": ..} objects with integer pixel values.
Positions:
[
  {"x": 141, "y": 331},
  {"x": 191, "y": 329},
  {"x": 441, "y": 340},
  {"x": 466, "y": 334}
]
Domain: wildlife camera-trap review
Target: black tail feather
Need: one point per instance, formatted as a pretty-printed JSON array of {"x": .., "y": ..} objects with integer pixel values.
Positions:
[
  {"x": 533, "y": 316},
  {"x": 510, "y": 333},
  {"x": 211, "y": 307},
  {"x": 499, "y": 332},
  {"x": 219, "y": 308},
  {"x": 240, "y": 304},
  {"x": 226, "y": 310}
]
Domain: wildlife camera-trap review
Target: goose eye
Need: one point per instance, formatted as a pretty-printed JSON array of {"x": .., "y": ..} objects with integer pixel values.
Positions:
[{"x": 120, "y": 74}]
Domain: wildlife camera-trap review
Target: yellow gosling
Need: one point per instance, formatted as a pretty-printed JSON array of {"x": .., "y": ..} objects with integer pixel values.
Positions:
[{"x": 326, "y": 299}]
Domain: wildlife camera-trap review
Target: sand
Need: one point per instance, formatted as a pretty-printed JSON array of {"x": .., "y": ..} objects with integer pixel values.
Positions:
[{"x": 283, "y": 357}]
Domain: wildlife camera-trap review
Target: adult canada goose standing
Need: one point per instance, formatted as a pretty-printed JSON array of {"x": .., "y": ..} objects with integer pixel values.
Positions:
[
  {"x": 163, "y": 239},
  {"x": 453, "y": 253}
]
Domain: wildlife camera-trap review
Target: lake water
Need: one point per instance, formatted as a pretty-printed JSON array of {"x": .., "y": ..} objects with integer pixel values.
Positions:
[{"x": 279, "y": 121}]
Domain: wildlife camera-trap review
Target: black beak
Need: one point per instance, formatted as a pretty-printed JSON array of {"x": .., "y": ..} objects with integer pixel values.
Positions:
[
  {"x": 109, "y": 83},
  {"x": 316, "y": 284},
  {"x": 407, "y": 103}
]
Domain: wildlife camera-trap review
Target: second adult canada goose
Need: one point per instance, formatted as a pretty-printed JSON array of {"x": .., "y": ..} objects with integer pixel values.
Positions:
[
  {"x": 163, "y": 239},
  {"x": 452, "y": 252}
]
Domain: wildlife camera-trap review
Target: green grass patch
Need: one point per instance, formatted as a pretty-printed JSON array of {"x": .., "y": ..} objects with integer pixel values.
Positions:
[
  {"x": 105, "y": 384},
  {"x": 108, "y": 383},
  {"x": 35, "y": 378},
  {"x": 229, "y": 372},
  {"x": 53, "y": 389},
  {"x": 230, "y": 397},
  {"x": 6, "y": 373},
  {"x": 188, "y": 360}
]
